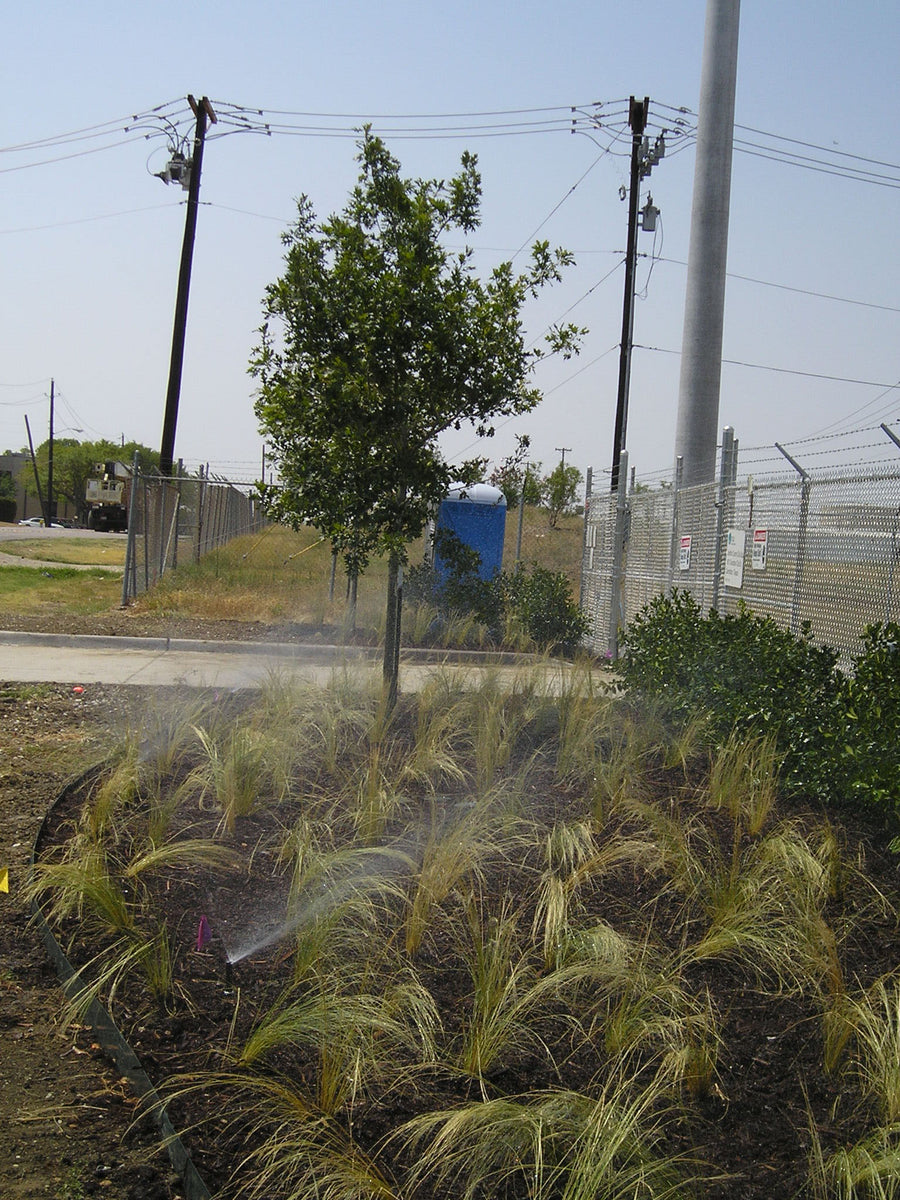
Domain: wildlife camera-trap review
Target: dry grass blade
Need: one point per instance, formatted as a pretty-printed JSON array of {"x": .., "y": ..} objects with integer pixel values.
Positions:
[
  {"x": 298, "y": 1151},
  {"x": 743, "y": 780},
  {"x": 550, "y": 1144},
  {"x": 875, "y": 1019}
]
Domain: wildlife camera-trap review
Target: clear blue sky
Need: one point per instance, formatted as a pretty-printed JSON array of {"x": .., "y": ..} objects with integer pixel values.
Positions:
[{"x": 91, "y": 243}]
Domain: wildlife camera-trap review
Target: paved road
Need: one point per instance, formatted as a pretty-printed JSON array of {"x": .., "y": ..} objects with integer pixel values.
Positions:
[{"x": 82, "y": 660}]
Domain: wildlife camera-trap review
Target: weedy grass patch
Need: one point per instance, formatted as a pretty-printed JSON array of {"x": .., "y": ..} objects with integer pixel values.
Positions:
[
  {"x": 110, "y": 552},
  {"x": 57, "y": 591}
]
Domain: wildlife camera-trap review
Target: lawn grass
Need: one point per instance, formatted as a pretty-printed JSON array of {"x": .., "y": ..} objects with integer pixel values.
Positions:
[
  {"x": 277, "y": 577},
  {"x": 58, "y": 591},
  {"x": 81, "y": 551}
]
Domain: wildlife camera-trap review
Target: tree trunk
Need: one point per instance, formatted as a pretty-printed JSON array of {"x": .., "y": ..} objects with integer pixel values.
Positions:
[
  {"x": 352, "y": 589},
  {"x": 391, "y": 667}
]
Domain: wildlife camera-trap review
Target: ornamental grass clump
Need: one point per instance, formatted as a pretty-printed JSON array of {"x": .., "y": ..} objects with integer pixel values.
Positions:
[{"x": 448, "y": 965}]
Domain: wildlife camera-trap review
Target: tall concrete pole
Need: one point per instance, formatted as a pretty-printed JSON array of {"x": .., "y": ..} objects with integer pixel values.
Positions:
[{"x": 704, "y": 306}]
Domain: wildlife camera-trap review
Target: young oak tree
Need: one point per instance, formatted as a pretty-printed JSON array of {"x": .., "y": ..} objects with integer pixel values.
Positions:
[{"x": 376, "y": 339}]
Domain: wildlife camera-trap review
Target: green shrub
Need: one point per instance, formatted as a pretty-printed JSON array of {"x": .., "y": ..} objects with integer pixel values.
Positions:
[
  {"x": 538, "y": 603},
  {"x": 741, "y": 669},
  {"x": 747, "y": 674},
  {"x": 864, "y": 758},
  {"x": 541, "y": 603},
  {"x": 838, "y": 732}
]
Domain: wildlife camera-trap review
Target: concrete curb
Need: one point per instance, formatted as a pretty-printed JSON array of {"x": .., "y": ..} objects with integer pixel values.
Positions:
[{"x": 307, "y": 651}]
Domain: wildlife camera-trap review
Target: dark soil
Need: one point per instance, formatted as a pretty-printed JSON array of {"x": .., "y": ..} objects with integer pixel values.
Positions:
[
  {"x": 66, "y": 1117},
  {"x": 67, "y": 1121}
]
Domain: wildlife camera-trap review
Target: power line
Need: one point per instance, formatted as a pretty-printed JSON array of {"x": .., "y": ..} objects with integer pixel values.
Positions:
[
  {"x": 735, "y": 362},
  {"x": 822, "y": 149},
  {"x": 359, "y": 116},
  {"x": 126, "y": 212},
  {"x": 65, "y": 157},
  {"x": 796, "y": 290},
  {"x": 106, "y": 128},
  {"x": 558, "y": 205}
]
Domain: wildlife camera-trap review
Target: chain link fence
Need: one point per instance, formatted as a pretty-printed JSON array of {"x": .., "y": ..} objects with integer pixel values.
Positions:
[
  {"x": 820, "y": 551},
  {"x": 175, "y": 520}
]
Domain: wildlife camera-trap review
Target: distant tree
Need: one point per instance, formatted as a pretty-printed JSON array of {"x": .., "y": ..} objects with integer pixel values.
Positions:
[
  {"x": 559, "y": 492},
  {"x": 375, "y": 340},
  {"x": 515, "y": 473},
  {"x": 74, "y": 463}
]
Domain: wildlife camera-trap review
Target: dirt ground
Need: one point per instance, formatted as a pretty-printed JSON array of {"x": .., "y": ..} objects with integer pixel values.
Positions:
[{"x": 67, "y": 1125}]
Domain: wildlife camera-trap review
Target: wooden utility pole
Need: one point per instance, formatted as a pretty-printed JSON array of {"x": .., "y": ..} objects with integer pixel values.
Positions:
[
  {"x": 637, "y": 118},
  {"x": 49, "y": 514},
  {"x": 203, "y": 112}
]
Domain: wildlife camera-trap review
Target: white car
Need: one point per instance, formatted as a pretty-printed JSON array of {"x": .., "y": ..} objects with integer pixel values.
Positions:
[{"x": 34, "y": 522}]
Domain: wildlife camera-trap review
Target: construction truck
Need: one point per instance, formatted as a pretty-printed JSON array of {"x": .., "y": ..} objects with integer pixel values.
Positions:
[{"x": 106, "y": 497}]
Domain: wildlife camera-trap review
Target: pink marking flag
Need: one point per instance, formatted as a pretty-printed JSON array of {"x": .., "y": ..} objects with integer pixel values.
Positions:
[{"x": 204, "y": 933}]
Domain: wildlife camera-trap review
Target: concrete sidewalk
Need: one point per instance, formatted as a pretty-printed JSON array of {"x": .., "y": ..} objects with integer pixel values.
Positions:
[{"x": 84, "y": 659}]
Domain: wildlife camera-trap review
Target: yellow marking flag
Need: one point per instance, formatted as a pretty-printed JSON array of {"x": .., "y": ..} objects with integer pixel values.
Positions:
[{"x": 4, "y": 880}]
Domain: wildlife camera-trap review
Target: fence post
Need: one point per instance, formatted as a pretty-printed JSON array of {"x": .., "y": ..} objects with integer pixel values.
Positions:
[
  {"x": 521, "y": 515},
  {"x": 725, "y": 470},
  {"x": 673, "y": 545},
  {"x": 618, "y": 564},
  {"x": 802, "y": 521},
  {"x": 146, "y": 490},
  {"x": 588, "y": 484},
  {"x": 130, "y": 561},
  {"x": 201, "y": 500},
  {"x": 177, "y": 514}
]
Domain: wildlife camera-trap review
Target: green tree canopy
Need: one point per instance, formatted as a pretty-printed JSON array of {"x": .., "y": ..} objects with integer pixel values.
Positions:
[
  {"x": 515, "y": 475},
  {"x": 375, "y": 340},
  {"x": 74, "y": 464},
  {"x": 559, "y": 491}
]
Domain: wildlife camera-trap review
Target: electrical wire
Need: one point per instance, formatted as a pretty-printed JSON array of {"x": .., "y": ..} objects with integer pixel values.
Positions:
[
  {"x": 125, "y": 212},
  {"x": 44, "y": 162},
  {"x": 735, "y": 362},
  {"x": 797, "y": 290},
  {"x": 558, "y": 206}
]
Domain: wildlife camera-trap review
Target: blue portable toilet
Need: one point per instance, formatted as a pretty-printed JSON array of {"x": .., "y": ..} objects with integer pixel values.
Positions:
[{"x": 476, "y": 514}]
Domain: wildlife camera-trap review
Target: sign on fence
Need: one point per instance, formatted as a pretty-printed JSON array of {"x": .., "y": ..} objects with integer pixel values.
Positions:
[
  {"x": 760, "y": 549},
  {"x": 734, "y": 558},
  {"x": 684, "y": 553}
]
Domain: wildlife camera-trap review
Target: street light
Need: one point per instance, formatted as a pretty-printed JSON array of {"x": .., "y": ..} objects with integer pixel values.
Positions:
[{"x": 50, "y": 514}]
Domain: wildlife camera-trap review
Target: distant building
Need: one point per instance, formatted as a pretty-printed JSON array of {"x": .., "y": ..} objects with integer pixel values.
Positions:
[{"x": 27, "y": 502}]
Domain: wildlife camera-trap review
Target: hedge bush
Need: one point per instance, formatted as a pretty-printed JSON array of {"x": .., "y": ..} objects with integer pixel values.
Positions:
[
  {"x": 537, "y": 602},
  {"x": 838, "y": 732}
]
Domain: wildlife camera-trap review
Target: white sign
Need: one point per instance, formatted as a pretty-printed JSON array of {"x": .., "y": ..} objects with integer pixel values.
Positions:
[
  {"x": 760, "y": 549},
  {"x": 734, "y": 558},
  {"x": 684, "y": 553}
]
